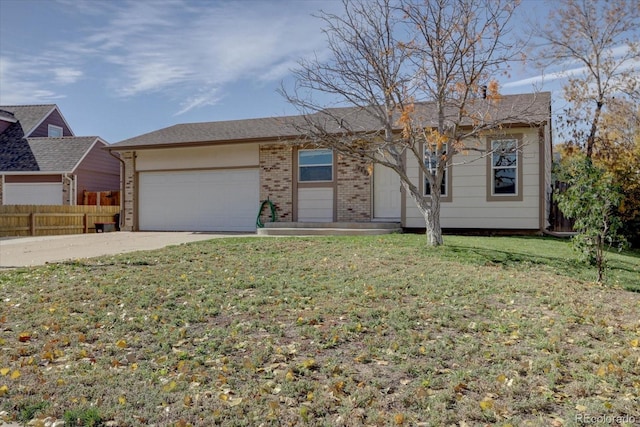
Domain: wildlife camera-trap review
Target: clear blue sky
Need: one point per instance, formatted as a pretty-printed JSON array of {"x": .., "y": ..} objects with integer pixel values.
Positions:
[{"x": 119, "y": 68}]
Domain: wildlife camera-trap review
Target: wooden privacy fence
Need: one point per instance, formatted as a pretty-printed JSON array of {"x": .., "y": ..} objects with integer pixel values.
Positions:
[
  {"x": 101, "y": 198},
  {"x": 557, "y": 219},
  {"x": 44, "y": 220}
]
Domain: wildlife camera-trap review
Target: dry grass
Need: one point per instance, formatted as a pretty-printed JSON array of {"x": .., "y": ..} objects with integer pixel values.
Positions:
[{"x": 324, "y": 331}]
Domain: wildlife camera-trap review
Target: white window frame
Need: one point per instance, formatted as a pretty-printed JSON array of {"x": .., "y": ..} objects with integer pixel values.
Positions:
[
  {"x": 330, "y": 164},
  {"x": 59, "y": 131}
]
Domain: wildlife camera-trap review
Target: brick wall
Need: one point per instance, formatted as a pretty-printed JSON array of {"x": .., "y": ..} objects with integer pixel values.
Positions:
[
  {"x": 67, "y": 182},
  {"x": 276, "y": 163},
  {"x": 129, "y": 189},
  {"x": 353, "y": 190}
]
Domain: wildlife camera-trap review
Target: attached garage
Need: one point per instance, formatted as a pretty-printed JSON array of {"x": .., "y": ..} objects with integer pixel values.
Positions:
[
  {"x": 201, "y": 200},
  {"x": 41, "y": 193}
]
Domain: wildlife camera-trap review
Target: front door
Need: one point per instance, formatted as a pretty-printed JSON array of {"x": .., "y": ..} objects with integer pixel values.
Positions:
[{"x": 386, "y": 194}]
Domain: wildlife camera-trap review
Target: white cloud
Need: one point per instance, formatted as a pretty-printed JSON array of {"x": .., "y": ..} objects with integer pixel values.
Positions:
[
  {"x": 186, "y": 49},
  {"x": 207, "y": 97},
  {"x": 569, "y": 69},
  {"x": 66, "y": 75},
  {"x": 18, "y": 85},
  {"x": 193, "y": 49}
]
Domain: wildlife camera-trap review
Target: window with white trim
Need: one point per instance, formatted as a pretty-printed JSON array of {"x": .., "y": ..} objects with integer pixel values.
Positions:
[
  {"x": 431, "y": 162},
  {"x": 54, "y": 131},
  {"x": 315, "y": 165},
  {"x": 504, "y": 167}
]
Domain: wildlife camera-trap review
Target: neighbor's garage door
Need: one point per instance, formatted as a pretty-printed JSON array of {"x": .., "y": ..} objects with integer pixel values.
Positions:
[
  {"x": 222, "y": 200},
  {"x": 43, "y": 193}
]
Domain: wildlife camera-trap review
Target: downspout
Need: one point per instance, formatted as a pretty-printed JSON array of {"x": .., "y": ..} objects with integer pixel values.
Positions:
[{"x": 122, "y": 197}]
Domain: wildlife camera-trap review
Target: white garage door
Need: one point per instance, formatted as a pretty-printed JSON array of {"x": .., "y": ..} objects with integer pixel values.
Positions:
[
  {"x": 46, "y": 193},
  {"x": 223, "y": 200}
]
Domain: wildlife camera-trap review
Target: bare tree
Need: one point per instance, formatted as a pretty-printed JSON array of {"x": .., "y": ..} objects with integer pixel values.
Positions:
[
  {"x": 418, "y": 78},
  {"x": 598, "y": 46}
]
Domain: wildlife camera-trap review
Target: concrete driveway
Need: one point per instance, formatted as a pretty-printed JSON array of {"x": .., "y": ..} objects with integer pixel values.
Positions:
[{"x": 30, "y": 251}]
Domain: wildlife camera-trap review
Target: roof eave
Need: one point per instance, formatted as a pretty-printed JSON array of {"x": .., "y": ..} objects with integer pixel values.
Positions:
[{"x": 199, "y": 143}]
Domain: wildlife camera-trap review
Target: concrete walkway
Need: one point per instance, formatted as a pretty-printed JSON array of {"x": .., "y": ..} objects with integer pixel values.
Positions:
[{"x": 30, "y": 251}]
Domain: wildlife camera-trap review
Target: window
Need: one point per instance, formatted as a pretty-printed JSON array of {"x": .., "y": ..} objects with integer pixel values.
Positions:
[
  {"x": 315, "y": 165},
  {"x": 54, "y": 131},
  {"x": 431, "y": 163},
  {"x": 504, "y": 167}
]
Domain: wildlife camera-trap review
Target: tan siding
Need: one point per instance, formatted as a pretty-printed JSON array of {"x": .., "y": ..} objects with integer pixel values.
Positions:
[
  {"x": 221, "y": 156},
  {"x": 469, "y": 207},
  {"x": 315, "y": 204}
]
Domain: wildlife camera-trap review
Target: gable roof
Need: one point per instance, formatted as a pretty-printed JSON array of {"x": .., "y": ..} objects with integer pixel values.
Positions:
[
  {"x": 232, "y": 130},
  {"x": 15, "y": 153},
  {"x": 31, "y": 116},
  {"x": 7, "y": 116},
  {"x": 509, "y": 108},
  {"x": 58, "y": 155},
  {"x": 61, "y": 154}
]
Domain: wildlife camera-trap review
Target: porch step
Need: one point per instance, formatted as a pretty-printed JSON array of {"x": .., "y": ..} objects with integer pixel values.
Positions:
[{"x": 329, "y": 228}]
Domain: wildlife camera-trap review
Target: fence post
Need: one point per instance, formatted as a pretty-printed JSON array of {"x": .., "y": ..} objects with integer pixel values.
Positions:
[
  {"x": 32, "y": 225},
  {"x": 85, "y": 223}
]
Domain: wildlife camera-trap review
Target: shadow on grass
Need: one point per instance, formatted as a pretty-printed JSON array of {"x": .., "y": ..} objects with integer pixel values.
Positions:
[{"x": 552, "y": 253}]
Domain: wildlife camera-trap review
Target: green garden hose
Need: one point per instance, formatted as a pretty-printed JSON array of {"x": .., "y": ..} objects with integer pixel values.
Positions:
[{"x": 259, "y": 223}]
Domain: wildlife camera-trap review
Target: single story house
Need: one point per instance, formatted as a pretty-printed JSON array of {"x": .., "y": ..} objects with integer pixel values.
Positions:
[
  {"x": 43, "y": 163},
  {"x": 213, "y": 177}
]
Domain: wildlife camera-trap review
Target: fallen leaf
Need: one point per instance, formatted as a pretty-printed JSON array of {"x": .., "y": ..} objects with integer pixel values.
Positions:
[
  {"x": 486, "y": 404},
  {"x": 635, "y": 343},
  {"x": 289, "y": 376},
  {"x": 399, "y": 419},
  {"x": 460, "y": 388},
  {"x": 234, "y": 401},
  {"x": 121, "y": 343},
  {"x": 15, "y": 375},
  {"x": 4, "y": 371},
  {"x": 122, "y": 400},
  {"x": 4, "y": 390}
]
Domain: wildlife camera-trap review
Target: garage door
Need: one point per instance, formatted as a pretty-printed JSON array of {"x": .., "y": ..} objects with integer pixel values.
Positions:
[
  {"x": 46, "y": 193},
  {"x": 223, "y": 200}
]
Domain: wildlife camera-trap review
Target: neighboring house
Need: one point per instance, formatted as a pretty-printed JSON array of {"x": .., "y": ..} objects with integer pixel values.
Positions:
[
  {"x": 212, "y": 177},
  {"x": 43, "y": 163}
]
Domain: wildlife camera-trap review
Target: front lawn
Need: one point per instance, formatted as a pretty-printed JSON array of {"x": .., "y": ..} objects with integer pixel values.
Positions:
[{"x": 324, "y": 331}]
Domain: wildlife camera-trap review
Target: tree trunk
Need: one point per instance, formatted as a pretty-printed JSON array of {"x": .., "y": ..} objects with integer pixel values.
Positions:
[
  {"x": 432, "y": 220},
  {"x": 430, "y": 209}
]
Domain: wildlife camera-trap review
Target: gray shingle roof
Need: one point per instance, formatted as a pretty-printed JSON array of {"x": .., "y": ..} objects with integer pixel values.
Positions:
[
  {"x": 7, "y": 116},
  {"x": 15, "y": 153},
  {"x": 233, "y": 130},
  {"x": 60, "y": 154},
  {"x": 524, "y": 108},
  {"x": 29, "y": 115}
]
